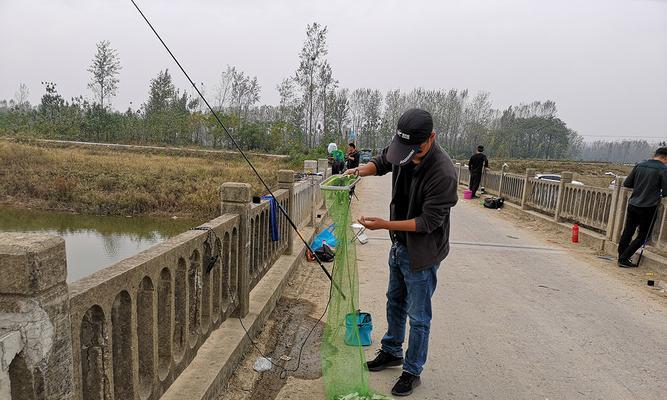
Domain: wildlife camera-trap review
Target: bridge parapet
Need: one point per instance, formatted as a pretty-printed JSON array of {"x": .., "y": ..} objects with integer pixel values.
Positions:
[
  {"x": 34, "y": 304},
  {"x": 129, "y": 330},
  {"x": 601, "y": 209}
]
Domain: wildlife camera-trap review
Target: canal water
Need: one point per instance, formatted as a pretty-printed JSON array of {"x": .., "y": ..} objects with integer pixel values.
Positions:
[{"x": 94, "y": 242}]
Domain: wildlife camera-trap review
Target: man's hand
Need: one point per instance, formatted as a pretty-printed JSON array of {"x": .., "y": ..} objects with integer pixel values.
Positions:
[
  {"x": 373, "y": 223},
  {"x": 363, "y": 170}
]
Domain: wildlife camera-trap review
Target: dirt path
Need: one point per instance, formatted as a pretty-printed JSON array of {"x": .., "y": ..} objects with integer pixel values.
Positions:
[{"x": 296, "y": 314}]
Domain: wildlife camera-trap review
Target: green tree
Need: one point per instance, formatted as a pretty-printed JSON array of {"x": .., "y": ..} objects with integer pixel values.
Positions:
[
  {"x": 161, "y": 93},
  {"x": 327, "y": 97},
  {"x": 311, "y": 58},
  {"x": 104, "y": 69}
]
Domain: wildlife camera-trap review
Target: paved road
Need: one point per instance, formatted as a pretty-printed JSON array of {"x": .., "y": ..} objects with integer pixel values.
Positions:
[{"x": 517, "y": 317}]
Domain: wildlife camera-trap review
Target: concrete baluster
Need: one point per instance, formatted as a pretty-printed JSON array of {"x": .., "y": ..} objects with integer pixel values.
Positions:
[
  {"x": 286, "y": 181},
  {"x": 527, "y": 188},
  {"x": 34, "y": 302},
  {"x": 502, "y": 178},
  {"x": 309, "y": 166},
  {"x": 611, "y": 220},
  {"x": 322, "y": 166},
  {"x": 621, "y": 208},
  {"x": 662, "y": 228},
  {"x": 236, "y": 198},
  {"x": 565, "y": 178},
  {"x": 313, "y": 200},
  {"x": 458, "y": 173}
]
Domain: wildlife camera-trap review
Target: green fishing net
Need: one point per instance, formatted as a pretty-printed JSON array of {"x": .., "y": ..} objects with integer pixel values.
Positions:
[{"x": 343, "y": 366}]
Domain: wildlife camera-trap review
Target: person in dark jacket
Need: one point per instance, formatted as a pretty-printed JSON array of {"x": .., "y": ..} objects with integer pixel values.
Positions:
[
  {"x": 476, "y": 166},
  {"x": 423, "y": 192},
  {"x": 648, "y": 181},
  {"x": 352, "y": 156}
]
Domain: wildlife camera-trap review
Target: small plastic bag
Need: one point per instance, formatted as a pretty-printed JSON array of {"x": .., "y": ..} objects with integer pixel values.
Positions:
[{"x": 262, "y": 364}]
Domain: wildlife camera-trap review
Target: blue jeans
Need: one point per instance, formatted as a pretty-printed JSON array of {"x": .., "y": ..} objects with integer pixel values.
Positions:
[{"x": 408, "y": 295}]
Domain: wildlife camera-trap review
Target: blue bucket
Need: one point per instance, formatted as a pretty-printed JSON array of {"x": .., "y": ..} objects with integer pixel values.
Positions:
[{"x": 362, "y": 335}]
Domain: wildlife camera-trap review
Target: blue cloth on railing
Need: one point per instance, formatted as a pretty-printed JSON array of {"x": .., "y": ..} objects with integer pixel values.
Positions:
[{"x": 273, "y": 218}]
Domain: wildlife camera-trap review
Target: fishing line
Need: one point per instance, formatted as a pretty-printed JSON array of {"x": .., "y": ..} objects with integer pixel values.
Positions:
[
  {"x": 213, "y": 260},
  {"x": 231, "y": 137}
]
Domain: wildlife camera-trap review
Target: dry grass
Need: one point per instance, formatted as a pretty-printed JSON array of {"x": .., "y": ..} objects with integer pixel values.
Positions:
[{"x": 113, "y": 182}]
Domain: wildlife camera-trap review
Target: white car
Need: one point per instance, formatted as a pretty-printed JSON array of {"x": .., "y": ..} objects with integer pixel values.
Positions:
[{"x": 555, "y": 178}]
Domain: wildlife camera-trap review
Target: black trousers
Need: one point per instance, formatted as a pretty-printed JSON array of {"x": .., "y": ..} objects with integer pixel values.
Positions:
[
  {"x": 338, "y": 167},
  {"x": 637, "y": 217},
  {"x": 475, "y": 179}
]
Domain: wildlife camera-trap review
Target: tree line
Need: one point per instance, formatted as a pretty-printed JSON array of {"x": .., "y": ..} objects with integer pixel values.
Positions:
[
  {"x": 313, "y": 110},
  {"x": 623, "y": 152}
]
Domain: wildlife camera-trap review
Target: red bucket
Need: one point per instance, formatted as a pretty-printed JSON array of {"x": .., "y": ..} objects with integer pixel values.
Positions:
[{"x": 467, "y": 194}]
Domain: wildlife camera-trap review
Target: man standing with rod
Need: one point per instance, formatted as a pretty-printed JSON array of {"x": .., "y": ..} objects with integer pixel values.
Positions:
[
  {"x": 424, "y": 186},
  {"x": 647, "y": 179},
  {"x": 476, "y": 166}
]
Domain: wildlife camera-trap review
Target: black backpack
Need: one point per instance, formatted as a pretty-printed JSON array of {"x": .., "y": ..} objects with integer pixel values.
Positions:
[
  {"x": 325, "y": 253},
  {"x": 494, "y": 202}
]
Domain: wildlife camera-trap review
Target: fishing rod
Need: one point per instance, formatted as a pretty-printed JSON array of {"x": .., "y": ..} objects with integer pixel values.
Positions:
[{"x": 238, "y": 148}]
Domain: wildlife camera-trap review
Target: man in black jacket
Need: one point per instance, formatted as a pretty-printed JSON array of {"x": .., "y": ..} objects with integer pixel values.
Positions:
[
  {"x": 352, "y": 157},
  {"x": 476, "y": 166},
  {"x": 647, "y": 180},
  {"x": 423, "y": 192}
]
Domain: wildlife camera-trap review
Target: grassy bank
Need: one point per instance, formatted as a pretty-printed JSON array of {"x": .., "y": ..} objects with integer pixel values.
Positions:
[{"x": 115, "y": 182}]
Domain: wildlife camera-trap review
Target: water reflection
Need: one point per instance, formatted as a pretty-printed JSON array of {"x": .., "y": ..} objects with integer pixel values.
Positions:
[{"x": 94, "y": 242}]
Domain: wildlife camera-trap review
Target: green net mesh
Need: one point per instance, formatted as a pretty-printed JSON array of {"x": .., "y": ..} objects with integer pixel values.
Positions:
[{"x": 343, "y": 366}]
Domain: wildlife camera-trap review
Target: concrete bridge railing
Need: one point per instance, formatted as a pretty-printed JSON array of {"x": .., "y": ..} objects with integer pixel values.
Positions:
[
  {"x": 129, "y": 330},
  {"x": 601, "y": 209}
]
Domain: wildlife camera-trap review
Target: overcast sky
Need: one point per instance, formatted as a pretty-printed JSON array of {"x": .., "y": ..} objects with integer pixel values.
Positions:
[{"x": 604, "y": 62}]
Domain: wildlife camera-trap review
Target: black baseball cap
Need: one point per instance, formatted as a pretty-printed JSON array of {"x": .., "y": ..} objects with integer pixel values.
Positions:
[{"x": 413, "y": 128}]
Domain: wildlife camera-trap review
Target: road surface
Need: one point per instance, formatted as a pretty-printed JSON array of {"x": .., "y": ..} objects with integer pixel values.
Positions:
[{"x": 516, "y": 316}]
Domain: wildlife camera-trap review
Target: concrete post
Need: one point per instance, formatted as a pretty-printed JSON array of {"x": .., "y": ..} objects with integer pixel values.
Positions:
[
  {"x": 527, "y": 188},
  {"x": 286, "y": 181},
  {"x": 611, "y": 221},
  {"x": 322, "y": 165},
  {"x": 662, "y": 229},
  {"x": 458, "y": 173},
  {"x": 236, "y": 198},
  {"x": 34, "y": 301},
  {"x": 313, "y": 206},
  {"x": 565, "y": 178},
  {"x": 309, "y": 166},
  {"x": 482, "y": 181},
  {"x": 621, "y": 207},
  {"x": 502, "y": 178}
]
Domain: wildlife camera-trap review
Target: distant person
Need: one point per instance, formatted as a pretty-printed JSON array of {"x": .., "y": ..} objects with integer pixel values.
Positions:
[
  {"x": 336, "y": 159},
  {"x": 352, "y": 156},
  {"x": 648, "y": 181},
  {"x": 476, "y": 167}
]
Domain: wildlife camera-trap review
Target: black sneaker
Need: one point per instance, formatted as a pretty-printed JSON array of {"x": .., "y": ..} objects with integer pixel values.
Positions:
[
  {"x": 405, "y": 384},
  {"x": 384, "y": 360},
  {"x": 626, "y": 263}
]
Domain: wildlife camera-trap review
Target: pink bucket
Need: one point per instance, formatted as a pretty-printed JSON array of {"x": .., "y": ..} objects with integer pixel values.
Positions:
[{"x": 467, "y": 194}]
